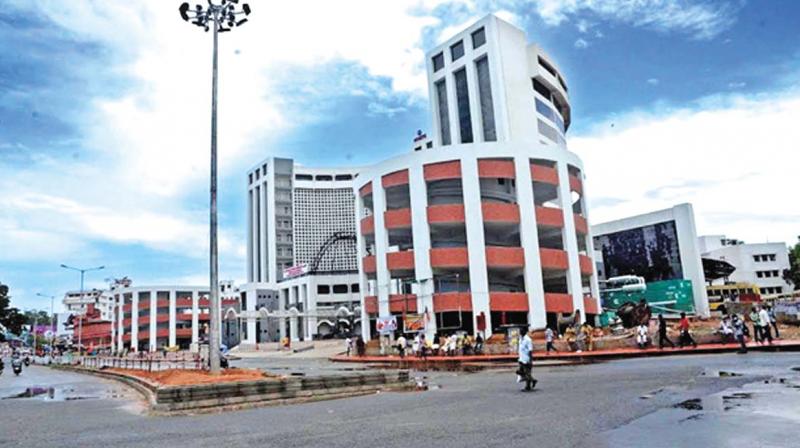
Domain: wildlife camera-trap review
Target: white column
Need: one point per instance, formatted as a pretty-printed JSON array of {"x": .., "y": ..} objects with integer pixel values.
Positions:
[
  {"x": 135, "y": 321},
  {"x": 293, "y": 328},
  {"x": 479, "y": 278},
  {"x": 153, "y": 320},
  {"x": 256, "y": 234},
  {"x": 529, "y": 238},
  {"x": 594, "y": 285},
  {"x": 381, "y": 247},
  {"x": 362, "y": 277},
  {"x": 269, "y": 262},
  {"x": 195, "y": 318},
  {"x": 282, "y": 312},
  {"x": 120, "y": 324},
  {"x": 113, "y": 324},
  {"x": 250, "y": 236},
  {"x": 570, "y": 240},
  {"x": 422, "y": 245},
  {"x": 310, "y": 305},
  {"x": 172, "y": 298}
]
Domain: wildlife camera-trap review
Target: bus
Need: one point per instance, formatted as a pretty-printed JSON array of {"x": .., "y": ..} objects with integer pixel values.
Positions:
[{"x": 732, "y": 292}]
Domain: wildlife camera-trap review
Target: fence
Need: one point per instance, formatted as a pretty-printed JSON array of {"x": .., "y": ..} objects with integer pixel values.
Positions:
[{"x": 148, "y": 364}]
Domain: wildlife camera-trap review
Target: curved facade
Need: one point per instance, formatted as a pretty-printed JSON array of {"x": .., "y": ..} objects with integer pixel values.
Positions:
[{"x": 488, "y": 224}]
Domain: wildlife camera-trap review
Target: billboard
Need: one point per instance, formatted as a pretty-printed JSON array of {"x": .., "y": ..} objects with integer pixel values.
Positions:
[
  {"x": 414, "y": 323},
  {"x": 649, "y": 251},
  {"x": 386, "y": 324}
]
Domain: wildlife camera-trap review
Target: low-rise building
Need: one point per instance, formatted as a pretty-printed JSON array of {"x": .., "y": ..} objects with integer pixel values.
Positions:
[{"x": 760, "y": 264}]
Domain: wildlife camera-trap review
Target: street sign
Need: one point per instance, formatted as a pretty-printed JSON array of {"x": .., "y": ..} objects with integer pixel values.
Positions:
[
  {"x": 414, "y": 323},
  {"x": 386, "y": 324}
]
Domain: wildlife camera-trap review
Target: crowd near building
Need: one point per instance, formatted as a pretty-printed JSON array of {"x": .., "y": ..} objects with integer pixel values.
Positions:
[{"x": 482, "y": 226}]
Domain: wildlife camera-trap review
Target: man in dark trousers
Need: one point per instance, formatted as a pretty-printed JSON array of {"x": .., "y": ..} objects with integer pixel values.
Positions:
[
  {"x": 526, "y": 362},
  {"x": 662, "y": 333},
  {"x": 686, "y": 337}
]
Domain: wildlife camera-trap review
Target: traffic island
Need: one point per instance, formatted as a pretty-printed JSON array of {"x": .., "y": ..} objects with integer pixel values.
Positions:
[{"x": 191, "y": 392}]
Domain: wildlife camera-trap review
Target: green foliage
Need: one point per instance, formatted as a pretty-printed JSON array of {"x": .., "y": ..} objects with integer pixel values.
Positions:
[
  {"x": 793, "y": 273},
  {"x": 10, "y": 317}
]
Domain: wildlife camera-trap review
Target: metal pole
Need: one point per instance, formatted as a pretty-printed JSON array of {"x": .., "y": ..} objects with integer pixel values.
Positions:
[
  {"x": 52, "y": 326},
  {"x": 80, "y": 321},
  {"x": 214, "y": 333}
]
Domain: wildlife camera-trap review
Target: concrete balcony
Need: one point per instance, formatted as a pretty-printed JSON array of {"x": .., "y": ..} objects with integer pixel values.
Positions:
[
  {"x": 403, "y": 303},
  {"x": 452, "y": 301},
  {"x": 368, "y": 264},
  {"x": 371, "y": 304},
  {"x": 590, "y": 305},
  {"x": 549, "y": 217},
  {"x": 397, "y": 219},
  {"x": 508, "y": 301},
  {"x": 400, "y": 261},
  {"x": 395, "y": 179},
  {"x": 586, "y": 265},
  {"x": 183, "y": 333},
  {"x": 446, "y": 214},
  {"x": 368, "y": 225},
  {"x": 366, "y": 190},
  {"x": 505, "y": 257},
  {"x": 554, "y": 259},
  {"x": 498, "y": 212},
  {"x": 500, "y": 169},
  {"x": 449, "y": 257},
  {"x": 581, "y": 225},
  {"x": 575, "y": 184},
  {"x": 443, "y": 170},
  {"x": 544, "y": 174},
  {"x": 557, "y": 302}
]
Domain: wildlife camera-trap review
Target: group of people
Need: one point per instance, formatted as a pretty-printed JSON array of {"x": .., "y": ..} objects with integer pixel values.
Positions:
[
  {"x": 452, "y": 345},
  {"x": 355, "y": 345}
]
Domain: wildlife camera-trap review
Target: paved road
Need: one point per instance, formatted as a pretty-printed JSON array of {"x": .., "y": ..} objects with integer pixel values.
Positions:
[{"x": 620, "y": 403}]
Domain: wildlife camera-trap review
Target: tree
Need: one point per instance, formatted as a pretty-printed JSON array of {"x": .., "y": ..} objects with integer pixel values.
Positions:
[
  {"x": 10, "y": 317},
  {"x": 793, "y": 273}
]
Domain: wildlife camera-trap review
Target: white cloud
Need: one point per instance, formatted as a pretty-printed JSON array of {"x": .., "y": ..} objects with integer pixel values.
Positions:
[
  {"x": 581, "y": 44},
  {"x": 736, "y": 85},
  {"x": 653, "y": 81},
  {"x": 733, "y": 157},
  {"x": 701, "y": 20}
]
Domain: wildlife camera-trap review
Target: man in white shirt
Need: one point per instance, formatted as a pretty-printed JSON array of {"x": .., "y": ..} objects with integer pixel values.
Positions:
[
  {"x": 401, "y": 345},
  {"x": 525, "y": 359},
  {"x": 763, "y": 322}
]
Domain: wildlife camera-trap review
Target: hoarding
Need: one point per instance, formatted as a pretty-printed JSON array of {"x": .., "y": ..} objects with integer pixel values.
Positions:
[
  {"x": 649, "y": 251},
  {"x": 414, "y": 323},
  {"x": 386, "y": 324}
]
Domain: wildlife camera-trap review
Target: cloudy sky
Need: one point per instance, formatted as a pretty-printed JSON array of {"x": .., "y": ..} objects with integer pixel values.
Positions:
[{"x": 104, "y": 113}]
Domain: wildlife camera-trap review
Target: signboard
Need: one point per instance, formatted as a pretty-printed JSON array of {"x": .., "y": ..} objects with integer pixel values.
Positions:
[
  {"x": 386, "y": 324},
  {"x": 414, "y": 323},
  {"x": 295, "y": 271}
]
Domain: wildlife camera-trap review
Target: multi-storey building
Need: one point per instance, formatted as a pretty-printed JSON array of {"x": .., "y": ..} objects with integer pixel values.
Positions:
[
  {"x": 148, "y": 318},
  {"x": 487, "y": 223},
  {"x": 78, "y": 302},
  {"x": 301, "y": 255},
  {"x": 760, "y": 264}
]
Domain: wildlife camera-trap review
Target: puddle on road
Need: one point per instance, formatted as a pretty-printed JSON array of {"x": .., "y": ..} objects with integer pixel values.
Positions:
[{"x": 65, "y": 394}]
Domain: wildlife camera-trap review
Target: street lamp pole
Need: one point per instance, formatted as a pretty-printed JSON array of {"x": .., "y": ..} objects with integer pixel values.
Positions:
[
  {"x": 80, "y": 315},
  {"x": 52, "y": 320},
  {"x": 217, "y": 15}
]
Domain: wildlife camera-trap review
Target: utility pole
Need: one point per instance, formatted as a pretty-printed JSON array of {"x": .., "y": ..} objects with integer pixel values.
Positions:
[
  {"x": 80, "y": 315},
  {"x": 52, "y": 321},
  {"x": 217, "y": 15}
]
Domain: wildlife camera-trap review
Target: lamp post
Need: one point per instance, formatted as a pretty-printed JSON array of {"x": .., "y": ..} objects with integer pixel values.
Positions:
[
  {"x": 80, "y": 315},
  {"x": 52, "y": 320},
  {"x": 215, "y": 15}
]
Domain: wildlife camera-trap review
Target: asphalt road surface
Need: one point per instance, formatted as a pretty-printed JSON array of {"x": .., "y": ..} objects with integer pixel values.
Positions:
[{"x": 706, "y": 400}]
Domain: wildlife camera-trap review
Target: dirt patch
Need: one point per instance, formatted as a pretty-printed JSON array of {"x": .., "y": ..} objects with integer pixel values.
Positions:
[{"x": 190, "y": 377}]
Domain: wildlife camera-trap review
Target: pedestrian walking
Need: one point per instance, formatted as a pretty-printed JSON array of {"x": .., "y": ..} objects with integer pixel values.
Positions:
[
  {"x": 479, "y": 344},
  {"x": 726, "y": 330},
  {"x": 361, "y": 347},
  {"x": 773, "y": 321},
  {"x": 686, "y": 336},
  {"x": 754, "y": 319},
  {"x": 401, "y": 346},
  {"x": 641, "y": 336},
  {"x": 738, "y": 333},
  {"x": 763, "y": 321},
  {"x": 549, "y": 336},
  {"x": 349, "y": 345},
  {"x": 525, "y": 359},
  {"x": 662, "y": 333}
]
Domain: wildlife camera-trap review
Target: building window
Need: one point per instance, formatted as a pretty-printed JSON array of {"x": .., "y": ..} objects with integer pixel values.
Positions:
[
  {"x": 779, "y": 290},
  {"x": 756, "y": 258},
  {"x": 541, "y": 89},
  {"x": 462, "y": 102},
  {"x": 485, "y": 94},
  {"x": 759, "y": 274},
  {"x": 344, "y": 177},
  {"x": 324, "y": 177},
  {"x": 457, "y": 50},
  {"x": 323, "y": 289},
  {"x": 354, "y": 287},
  {"x": 438, "y": 62},
  {"x": 444, "y": 114},
  {"x": 264, "y": 169},
  {"x": 250, "y": 178},
  {"x": 340, "y": 289},
  {"x": 303, "y": 177},
  {"x": 546, "y": 65},
  {"x": 478, "y": 38},
  {"x": 771, "y": 257}
]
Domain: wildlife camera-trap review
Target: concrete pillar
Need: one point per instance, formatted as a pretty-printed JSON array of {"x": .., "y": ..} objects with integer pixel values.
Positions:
[
  {"x": 570, "y": 240},
  {"x": 293, "y": 328},
  {"x": 172, "y": 299},
  {"x": 381, "y": 248},
  {"x": 422, "y": 246},
  {"x": 479, "y": 277},
  {"x": 529, "y": 238},
  {"x": 134, "y": 321},
  {"x": 153, "y": 320},
  {"x": 195, "y": 317},
  {"x": 120, "y": 318}
]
